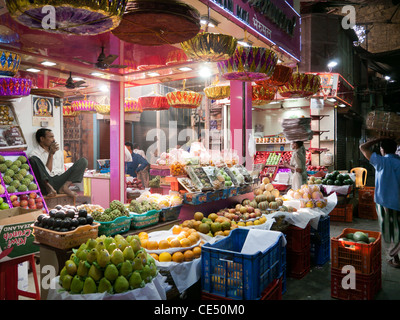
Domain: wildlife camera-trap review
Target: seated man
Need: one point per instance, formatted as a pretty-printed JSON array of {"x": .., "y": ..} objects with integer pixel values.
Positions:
[
  {"x": 47, "y": 164},
  {"x": 137, "y": 164}
]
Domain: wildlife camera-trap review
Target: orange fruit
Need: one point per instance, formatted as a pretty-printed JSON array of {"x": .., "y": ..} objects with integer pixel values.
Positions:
[
  {"x": 188, "y": 255},
  {"x": 144, "y": 243},
  {"x": 175, "y": 243},
  {"x": 185, "y": 242},
  {"x": 169, "y": 239},
  {"x": 193, "y": 240},
  {"x": 196, "y": 252},
  {"x": 154, "y": 255},
  {"x": 152, "y": 245},
  {"x": 143, "y": 235},
  {"x": 163, "y": 244},
  {"x": 165, "y": 257},
  {"x": 176, "y": 230},
  {"x": 178, "y": 257},
  {"x": 196, "y": 234}
]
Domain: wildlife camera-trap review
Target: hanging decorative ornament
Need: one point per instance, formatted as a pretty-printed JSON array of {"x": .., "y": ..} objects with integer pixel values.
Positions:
[
  {"x": 132, "y": 106},
  {"x": 102, "y": 108},
  {"x": 211, "y": 47},
  {"x": 154, "y": 102},
  {"x": 52, "y": 93},
  {"x": 217, "y": 91},
  {"x": 9, "y": 63},
  {"x": 68, "y": 110},
  {"x": 300, "y": 85},
  {"x": 263, "y": 94},
  {"x": 158, "y": 22},
  {"x": 14, "y": 87},
  {"x": 84, "y": 106},
  {"x": 279, "y": 78},
  {"x": 176, "y": 56},
  {"x": 79, "y": 17},
  {"x": 184, "y": 99},
  {"x": 248, "y": 64}
]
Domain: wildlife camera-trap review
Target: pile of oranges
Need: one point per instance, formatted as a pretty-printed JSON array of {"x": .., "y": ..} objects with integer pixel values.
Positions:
[{"x": 182, "y": 237}]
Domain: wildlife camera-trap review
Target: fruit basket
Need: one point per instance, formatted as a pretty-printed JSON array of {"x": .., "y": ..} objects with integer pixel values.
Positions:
[
  {"x": 118, "y": 225},
  {"x": 66, "y": 240},
  {"x": 142, "y": 220}
]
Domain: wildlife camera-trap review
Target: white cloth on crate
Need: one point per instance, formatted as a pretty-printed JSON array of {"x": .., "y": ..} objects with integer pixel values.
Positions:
[{"x": 58, "y": 160}]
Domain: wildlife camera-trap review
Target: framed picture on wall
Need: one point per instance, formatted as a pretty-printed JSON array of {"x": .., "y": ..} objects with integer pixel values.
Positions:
[{"x": 42, "y": 111}]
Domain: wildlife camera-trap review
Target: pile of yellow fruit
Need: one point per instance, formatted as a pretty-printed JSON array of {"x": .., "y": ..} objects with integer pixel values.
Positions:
[{"x": 182, "y": 237}]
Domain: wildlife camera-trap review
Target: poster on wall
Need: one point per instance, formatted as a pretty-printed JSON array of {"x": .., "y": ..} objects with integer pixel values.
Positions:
[{"x": 42, "y": 111}]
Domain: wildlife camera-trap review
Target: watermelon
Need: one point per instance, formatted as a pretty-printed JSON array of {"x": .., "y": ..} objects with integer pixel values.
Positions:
[
  {"x": 338, "y": 183},
  {"x": 360, "y": 236}
]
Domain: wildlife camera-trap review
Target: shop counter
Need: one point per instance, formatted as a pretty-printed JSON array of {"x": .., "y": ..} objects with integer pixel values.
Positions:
[{"x": 97, "y": 187}]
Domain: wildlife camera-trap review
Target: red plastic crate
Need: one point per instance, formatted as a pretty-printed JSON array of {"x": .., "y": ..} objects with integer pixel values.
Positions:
[
  {"x": 342, "y": 213},
  {"x": 365, "y": 258},
  {"x": 297, "y": 238},
  {"x": 366, "y": 195},
  {"x": 272, "y": 292},
  {"x": 298, "y": 263},
  {"x": 366, "y": 285},
  {"x": 367, "y": 211}
]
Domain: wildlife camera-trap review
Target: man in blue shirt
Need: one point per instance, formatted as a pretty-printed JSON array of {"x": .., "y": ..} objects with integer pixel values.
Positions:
[
  {"x": 138, "y": 162},
  {"x": 387, "y": 191}
]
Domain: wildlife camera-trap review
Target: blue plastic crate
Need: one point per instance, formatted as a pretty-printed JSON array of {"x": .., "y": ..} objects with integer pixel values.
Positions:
[
  {"x": 320, "y": 252},
  {"x": 323, "y": 228},
  {"x": 228, "y": 273}
]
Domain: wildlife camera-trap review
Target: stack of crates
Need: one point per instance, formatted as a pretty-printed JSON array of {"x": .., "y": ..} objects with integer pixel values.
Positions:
[
  {"x": 342, "y": 213},
  {"x": 298, "y": 251},
  {"x": 366, "y": 203},
  {"x": 320, "y": 245},
  {"x": 228, "y": 274},
  {"x": 363, "y": 259}
]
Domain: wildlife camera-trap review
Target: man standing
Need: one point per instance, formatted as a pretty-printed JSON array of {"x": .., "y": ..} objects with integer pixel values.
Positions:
[
  {"x": 143, "y": 175},
  {"x": 387, "y": 192},
  {"x": 137, "y": 165},
  {"x": 47, "y": 164}
]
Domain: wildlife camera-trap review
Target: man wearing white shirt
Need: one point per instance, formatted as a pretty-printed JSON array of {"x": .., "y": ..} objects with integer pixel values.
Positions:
[{"x": 48, "y": 165}]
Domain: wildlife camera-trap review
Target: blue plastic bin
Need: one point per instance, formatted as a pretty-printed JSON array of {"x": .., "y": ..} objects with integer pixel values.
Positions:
[
  {"x": 228, "y": 273},
  {"x": 320, "y": 244}
]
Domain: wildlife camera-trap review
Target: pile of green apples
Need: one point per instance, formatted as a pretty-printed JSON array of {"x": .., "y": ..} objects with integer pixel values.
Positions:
[{"x": 108, "y": 264}]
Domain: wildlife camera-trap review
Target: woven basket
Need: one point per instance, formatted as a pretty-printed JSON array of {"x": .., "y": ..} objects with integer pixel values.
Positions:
[{"x": 9, "y": 63}]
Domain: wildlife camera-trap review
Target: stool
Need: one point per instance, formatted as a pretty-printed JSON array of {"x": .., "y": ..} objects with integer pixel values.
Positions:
[{"x": 9, "y": 279}]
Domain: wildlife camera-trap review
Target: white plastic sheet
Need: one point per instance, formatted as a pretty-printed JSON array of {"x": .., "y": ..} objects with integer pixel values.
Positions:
[{"x": 155, "y": 290}]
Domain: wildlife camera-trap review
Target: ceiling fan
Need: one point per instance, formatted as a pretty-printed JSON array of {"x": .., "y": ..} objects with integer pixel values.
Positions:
[
  {"x": 71, "y": 84},
  {"x": 105, "y": 62}
]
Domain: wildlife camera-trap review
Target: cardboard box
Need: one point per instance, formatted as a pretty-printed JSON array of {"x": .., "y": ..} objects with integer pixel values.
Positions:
[{"x": 16, "y": 233}]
